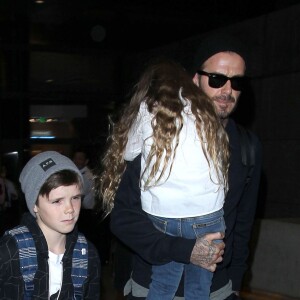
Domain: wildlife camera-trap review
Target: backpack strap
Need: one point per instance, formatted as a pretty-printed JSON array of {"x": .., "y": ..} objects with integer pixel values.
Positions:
[
  {"x": 27, "y": 257},
  {"x": 28, "y": 260},
  {"x": 247, "y": 150},
  {"x": 79, "y": 265}
]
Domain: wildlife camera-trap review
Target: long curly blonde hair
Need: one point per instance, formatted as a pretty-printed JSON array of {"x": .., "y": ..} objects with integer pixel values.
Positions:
[{"x": 159, "y": 87}]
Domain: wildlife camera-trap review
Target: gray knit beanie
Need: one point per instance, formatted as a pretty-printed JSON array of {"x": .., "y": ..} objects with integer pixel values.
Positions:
[{"x": 38, "y": 169}]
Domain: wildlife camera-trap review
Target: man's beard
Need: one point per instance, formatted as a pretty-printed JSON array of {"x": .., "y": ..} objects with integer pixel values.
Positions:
[{"x": 224, "y": 114}]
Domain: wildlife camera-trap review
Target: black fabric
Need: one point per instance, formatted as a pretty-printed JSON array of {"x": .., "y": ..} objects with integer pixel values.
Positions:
[
  {"x": 132, "y": 226},
  {"x": 215, "y": 43},
  {"x": 234, "y": 297},
  {"x": 247, "y": 147},
  {"x": 122, "y": 265},
  {"x": 11, "y": 281}
]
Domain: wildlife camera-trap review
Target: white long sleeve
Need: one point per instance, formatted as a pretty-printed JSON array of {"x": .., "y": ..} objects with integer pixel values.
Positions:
[{"x": 139, "y": 132}]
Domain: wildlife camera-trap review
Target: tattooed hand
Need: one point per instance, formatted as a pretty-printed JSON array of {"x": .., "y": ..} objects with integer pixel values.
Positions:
[{"x": 206, "y": 253}]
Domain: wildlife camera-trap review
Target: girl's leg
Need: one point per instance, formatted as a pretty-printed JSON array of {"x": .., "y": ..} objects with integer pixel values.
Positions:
[
  {"x": 164, "y": 281},
  {"x": 197, "y": 280},
  {"x": 165, "y": 278}
]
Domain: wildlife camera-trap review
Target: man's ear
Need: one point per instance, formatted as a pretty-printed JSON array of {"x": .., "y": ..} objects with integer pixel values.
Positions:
[
  {"x": 35, "y": 208},
  {"x": 196, "y": 79}
]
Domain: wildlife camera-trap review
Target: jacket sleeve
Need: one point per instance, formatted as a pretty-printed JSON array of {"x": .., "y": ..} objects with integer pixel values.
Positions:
[
  {"x": 92, "y": 286},
  {"x": 133, "y": 227},
  {"x": 11, "y": 281},
  {"x": 244, "y": 221}
]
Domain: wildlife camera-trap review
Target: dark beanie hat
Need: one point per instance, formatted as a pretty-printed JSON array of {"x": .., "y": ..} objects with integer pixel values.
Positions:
[
  {"x": 38, "y": 169},
  {"x": 215, "y": 43}
]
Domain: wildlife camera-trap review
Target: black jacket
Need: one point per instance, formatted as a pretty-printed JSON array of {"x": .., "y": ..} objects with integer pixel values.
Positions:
[
  {"x": 11, "y": 280},
  {"x": 132, "y": 226}
]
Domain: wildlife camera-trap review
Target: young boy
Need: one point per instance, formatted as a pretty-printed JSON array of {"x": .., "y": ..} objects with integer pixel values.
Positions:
[{"x": 60, "y": 262}]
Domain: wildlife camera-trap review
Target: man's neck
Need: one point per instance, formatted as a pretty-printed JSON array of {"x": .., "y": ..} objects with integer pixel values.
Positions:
[{"x": 224, "y": 122}]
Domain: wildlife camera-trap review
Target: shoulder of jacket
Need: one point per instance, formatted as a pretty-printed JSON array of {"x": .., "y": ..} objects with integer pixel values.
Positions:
[
  {"x": 248, "y": 146},
  {"x": 9, "y": 255},
  {"x": 8, "y": 245},
  {"x": 243, "y": 130}
]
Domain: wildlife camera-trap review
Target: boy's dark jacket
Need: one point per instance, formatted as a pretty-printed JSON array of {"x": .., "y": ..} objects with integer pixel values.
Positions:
[
  {"x": 132, "y": 226},
  {"x": 11, "y": 281}
]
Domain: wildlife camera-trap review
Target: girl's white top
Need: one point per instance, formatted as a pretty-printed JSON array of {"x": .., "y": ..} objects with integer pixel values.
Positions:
[{"x": 191, "y": 189}]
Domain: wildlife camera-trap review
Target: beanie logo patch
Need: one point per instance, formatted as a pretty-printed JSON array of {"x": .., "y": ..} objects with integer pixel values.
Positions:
[{"x": 47, "y": 164}]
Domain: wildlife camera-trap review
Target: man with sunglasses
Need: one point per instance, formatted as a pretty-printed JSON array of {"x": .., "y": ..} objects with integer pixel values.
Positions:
[{"x": 219, "y": 70}]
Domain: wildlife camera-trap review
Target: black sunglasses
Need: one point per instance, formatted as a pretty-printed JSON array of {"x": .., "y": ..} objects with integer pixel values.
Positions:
[{"x": 218, "y": 80}]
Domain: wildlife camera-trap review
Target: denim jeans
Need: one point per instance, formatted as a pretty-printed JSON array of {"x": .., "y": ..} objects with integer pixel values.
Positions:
[{"x": 197, "y": 281}]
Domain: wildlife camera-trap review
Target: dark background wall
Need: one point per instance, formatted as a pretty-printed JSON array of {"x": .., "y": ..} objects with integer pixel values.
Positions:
[
  {"x": 48, "y": 59},
  {"x": 271, "y": 107}
]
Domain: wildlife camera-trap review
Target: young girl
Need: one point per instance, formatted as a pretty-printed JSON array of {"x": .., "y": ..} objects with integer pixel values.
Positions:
[
  {"x": 184, "y": 167},
  {"x": 46, "y": 257}
]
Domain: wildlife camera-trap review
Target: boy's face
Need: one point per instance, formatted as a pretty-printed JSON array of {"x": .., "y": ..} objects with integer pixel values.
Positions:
[{"x": 59, "y": 211}]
